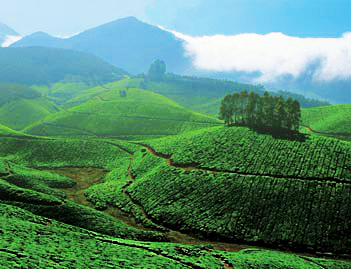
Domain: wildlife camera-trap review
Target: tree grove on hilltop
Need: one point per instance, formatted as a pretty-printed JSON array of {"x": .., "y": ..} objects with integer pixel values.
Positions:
[{"x": 254, "y": 110}]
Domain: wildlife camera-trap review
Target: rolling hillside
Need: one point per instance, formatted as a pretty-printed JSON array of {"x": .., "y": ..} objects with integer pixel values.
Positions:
[
  {"x": 6, "y": 131},
  {"x": 204, "y": 95},
  {"x": 20, "y": 113},
  {"x": 233, "y": 184},
  {"x": 329, "y": 120},
  {"x": 110, "y": 113},
  {"x": 51, "y": 230}
]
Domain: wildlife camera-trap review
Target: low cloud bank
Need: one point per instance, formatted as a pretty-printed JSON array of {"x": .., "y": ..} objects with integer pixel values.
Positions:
[
  {"x": 272, "y": 55},
  {"x": 10, "y": 39}
]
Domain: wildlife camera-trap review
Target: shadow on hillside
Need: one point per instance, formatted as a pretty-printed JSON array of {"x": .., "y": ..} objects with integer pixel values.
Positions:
[{"x": 279, "y": 133}]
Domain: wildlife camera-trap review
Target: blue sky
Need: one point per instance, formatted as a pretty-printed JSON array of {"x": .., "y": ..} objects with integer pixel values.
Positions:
[
  {"x": 302, "y": 18},
  {"x": 273, "y": 38}
]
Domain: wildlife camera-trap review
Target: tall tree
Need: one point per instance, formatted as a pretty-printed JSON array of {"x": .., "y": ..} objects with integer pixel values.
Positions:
[{"x": 157, "y": 70}]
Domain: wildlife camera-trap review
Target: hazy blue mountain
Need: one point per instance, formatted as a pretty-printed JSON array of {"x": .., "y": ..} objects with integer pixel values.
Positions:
[
  {"x": 127, "y": 43},
  {"x": 48, "y": 65},
  {"x": 40, "y": 39},
  {"x": 6, "y": 31}
]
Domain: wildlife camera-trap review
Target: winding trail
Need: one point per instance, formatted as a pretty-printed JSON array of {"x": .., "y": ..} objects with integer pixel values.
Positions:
[{"x": 197, "y": 167}]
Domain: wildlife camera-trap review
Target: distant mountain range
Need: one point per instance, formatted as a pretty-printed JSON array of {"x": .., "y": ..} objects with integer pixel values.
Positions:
[
  {"x": 133, "y": 45},
  {"x": 6, "y": 32},
  {"x": 127, "y": 43},
  {"x": 42, "y": 66}
]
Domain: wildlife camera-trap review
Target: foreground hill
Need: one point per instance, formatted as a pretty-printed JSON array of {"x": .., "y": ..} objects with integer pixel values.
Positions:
[
  {"x": 116, "y": 111},
  {"x": 127, "y": 43},
  {"x": 47, "y": 65},
  {"x": 43, "y": 227},
  {"x": 329, "y": 120},
  {"x": 237, "y": 185}
]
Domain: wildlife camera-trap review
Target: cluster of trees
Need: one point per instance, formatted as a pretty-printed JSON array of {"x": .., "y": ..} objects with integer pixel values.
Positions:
[
  {"x": 251, "y": 109},
  {"x": 157, "y": 71}
]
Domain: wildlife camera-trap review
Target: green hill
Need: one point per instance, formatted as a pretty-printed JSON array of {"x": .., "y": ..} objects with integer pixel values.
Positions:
[
  {"x": 110, "y": 113},
  {"x": 204, "y": 95},
  {"x": 45, "y": 243},
  {"x": 6, "y": 131},
  {"x": 42, "y": 227},
  {"x": 329, "y": 120},
  {"x": 18, "y": 114},
  {"x": 233, "y": 184}
]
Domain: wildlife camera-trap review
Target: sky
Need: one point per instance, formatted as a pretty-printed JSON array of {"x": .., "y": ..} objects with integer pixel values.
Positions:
[
  {"x": 272, "y": 37},
  {"x": 302, "y": 18}
]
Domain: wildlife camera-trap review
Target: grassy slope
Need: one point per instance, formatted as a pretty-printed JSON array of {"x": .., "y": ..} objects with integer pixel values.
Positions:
[
  {"x": 139, "y": 113},
  {"x": 41, "y": 243},
  {"x": 254, "y": 194},
  {"x": 330, "y": 119},
  {"x": 41, "y": 229},
  {"x": 204, "y": 95},
  {"x": 198, "y": 94},
  {"x": 6, "y": 131},
  {"x": 33, "y": 190},
  {"x": 20, "y": 113}
]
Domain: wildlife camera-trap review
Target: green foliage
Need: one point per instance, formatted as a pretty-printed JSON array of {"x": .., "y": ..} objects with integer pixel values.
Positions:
[
  {"x": 5, "y": 131},
  {"x": 157, "y": 71},
  {"x": 32, "y": 241},
  {"x": 11, "y": 91},
  {"x": 60, "y": 152},
  {"x": 250, "y": 109},
  {"x": 304, "y": 102},
  {"x": 330, "y": 119},
  {"x": 225, "y": 190},
  {"x": 36, "y": 180},
  {"x": 242, "y": 150},
  {"x": 140, "y": 113},
  {"x": 204, "y": 95},
  {"x": 20, "y": 113}
]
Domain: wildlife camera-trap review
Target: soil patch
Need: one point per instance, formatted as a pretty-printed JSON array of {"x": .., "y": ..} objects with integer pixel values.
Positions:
[{"x": 84, "y": 177}]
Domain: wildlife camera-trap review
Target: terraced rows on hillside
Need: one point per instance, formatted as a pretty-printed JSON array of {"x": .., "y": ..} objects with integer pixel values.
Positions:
[
  {"x": 108, "y": 113},
  {"x": 308, "y": 209},
  {"x": 160, "y": 196}
]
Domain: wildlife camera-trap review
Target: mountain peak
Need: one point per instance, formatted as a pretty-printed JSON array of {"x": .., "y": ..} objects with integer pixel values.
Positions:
[{"x": 6, "y": 30}]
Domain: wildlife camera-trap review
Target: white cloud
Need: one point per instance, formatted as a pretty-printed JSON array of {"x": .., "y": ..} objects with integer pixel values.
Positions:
[
  {"x": 67, "y": 36},
  {"x": 10, "y": 39},
  {"x": 272, "y": 55}
]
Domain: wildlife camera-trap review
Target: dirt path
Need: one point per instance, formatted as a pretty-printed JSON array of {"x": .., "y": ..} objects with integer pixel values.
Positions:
[
  {"x": 84, "y": 177},
  {"x": 196, "y": 167}
]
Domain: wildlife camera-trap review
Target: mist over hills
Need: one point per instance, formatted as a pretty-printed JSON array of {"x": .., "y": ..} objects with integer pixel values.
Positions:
[
  {"x": 6, "y": 32},
  {"x": 133, "y": 45},
  {"x": 127, "y": 43},
  {"x": 48, "y": 65}
]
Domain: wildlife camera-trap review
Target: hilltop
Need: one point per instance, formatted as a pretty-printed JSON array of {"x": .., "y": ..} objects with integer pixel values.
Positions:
[
  {"x": 234, "y": 184},
  {"x": 117, "y": 110},
  {"x": 5, "y": 32}
]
